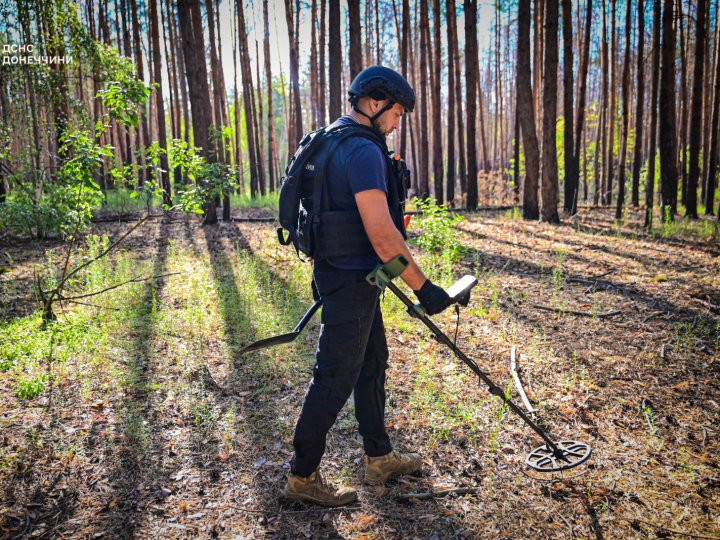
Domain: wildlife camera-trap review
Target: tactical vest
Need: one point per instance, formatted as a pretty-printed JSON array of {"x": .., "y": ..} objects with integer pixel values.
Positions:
[{"x": 316, "y": 229}]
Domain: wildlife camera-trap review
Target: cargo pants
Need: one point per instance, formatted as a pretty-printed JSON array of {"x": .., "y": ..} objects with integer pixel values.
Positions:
[{"x": 351, "y": 356}]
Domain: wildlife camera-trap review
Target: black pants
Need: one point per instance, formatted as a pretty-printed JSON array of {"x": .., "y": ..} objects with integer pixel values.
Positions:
[{"x": 351, "y": 356}]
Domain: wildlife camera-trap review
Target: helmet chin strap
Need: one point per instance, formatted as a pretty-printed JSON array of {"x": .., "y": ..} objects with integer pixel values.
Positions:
[{"x": 374, "y": 117}]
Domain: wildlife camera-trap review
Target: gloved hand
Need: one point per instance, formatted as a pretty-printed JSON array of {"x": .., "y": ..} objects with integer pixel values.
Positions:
[{"x": 433, "y": 298}]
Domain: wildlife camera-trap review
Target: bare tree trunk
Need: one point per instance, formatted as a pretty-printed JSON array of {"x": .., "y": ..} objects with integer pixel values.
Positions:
[
  {"x": 538, "y": 64},
  {"x": 423, "y": 181},
  {"x": 321, "y": 93},
  {"x": 291, "y": 13},
  {"x": 140, "y": 72},
  {"x": 458, "y": 103},
  {"x": 582, "y": 91},
  {"x": 438, "y": 172},
  {"x": 640, "y": 103},
  {"x": 696, "y": 112},
  {"x": 257, "y": 182},
  {"x": 572, "y": 166},
  {"x": 612, "y": 113},
  {"x": 652, "y": 136},
  {"x": 712, "y": 149},
  {"x": 549, "y": 190},
  {"x": 162, "y": 135},
  {"x": 625, "y": 112},
  {"x": 272, "y": 137},
  {"x": 197, "y": 78},
  {"x": 355, "y": 52},
  {"x": 668, "y": 132},
  {"x": 526, "y": 114},
  {"x": 602, "y": 184},
  {"x": 450, "y": 187},
  {"x": 681, "y": 121},
  {"x": 335, "y": 48},
  {"x": 314, "y": 85},
  {"x": 471, "y": 76}
]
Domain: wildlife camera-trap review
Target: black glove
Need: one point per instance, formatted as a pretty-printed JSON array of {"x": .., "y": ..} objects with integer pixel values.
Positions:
[{"x": 433, "y": 298}]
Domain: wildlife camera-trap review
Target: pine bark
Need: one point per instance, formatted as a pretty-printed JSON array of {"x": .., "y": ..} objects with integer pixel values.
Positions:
[
  {"x": 626, "y": 99},
  {"x": 355, "y": 51},
  {"x": 423, "y": 181},
  {"x": 549, "y": 189},
  {"x": 159, "y": 104},
  {"x": 335, "y": 57},
  {"x": 696, "y": 112},
  {"x": 437, "y": 108},
  {"x": 471, "y": 78},
  {"x": 711, "y": 171},
  {"x": 652, "y": 136},
  {"x": 272, "y": 136},
  {"x": 193, "y": 44},
  {"x": 668, "y": 131},
  {"x": 582, "y": 95},
  {"x": 572, "y": 166},
  {"x": 640, "y": 104},
  {"x": 451, "y": 164},
  {"x": 526, "y": 114}
]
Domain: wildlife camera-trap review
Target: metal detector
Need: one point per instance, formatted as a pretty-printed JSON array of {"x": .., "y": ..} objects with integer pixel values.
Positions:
[
  {"x": 552, "y": 456},
  {"x": 284, "y": 338}
]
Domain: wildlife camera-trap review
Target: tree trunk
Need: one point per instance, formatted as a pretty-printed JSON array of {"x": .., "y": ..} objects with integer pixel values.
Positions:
[
  {"x": 625, "y": 112},
  {"x": 582, "y": 91},
  {"x": 423, "y": 181},
  {"x": 314, "y": 84},
  {"x": 458, "y": 103},
  {"x": 140, "y": 72},
  {"x": 272, "y": 137},
  {"x": 668, "y": 132},
  {"x": 526, "y": 114},
  {"x": 193, "y": 44},
  {"x": 291, "y": 14},
  {"x": 323, "y": 84},
  {"x": 696, "y": 112},
  {"x": 652, "y": 136},
  {"x": 256, "y": 173},
  {"x": 471, "y": 76},
  {"x": 355, "y": 52},
  {"x": 438, "y": 172},
  {"x": 450, "y": 16},
  {"x": 335, "y": 54},
  {"x": 682, "y": 119},
  {"x": 711, "y": 171},
  {"x": 572, "y": 165},
  {"x": 160, "y": 106},
  {"x": 640, "y": 103},
  {"x": 601, "y": 181},
  {"x": 549, "y": 189},
  {"x": 612, "y": 112}
]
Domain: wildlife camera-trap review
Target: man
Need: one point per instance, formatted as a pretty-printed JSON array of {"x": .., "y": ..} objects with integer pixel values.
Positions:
[{"x": 352, "y": 351}]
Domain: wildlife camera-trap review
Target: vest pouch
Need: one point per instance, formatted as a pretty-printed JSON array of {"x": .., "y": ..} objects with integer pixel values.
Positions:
[
  {"x": 306, "y": 228},
  {"x": 340, "y": 233}
]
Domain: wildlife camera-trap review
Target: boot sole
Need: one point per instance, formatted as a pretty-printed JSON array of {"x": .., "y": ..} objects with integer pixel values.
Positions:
[{"x": 308, "y": 498}]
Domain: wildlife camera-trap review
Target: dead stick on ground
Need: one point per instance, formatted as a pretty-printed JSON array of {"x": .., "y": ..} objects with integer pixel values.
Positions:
[
  {"x": 518, "y": 384},
  {"x": 438, "y": 494},
  {"x": 578, "y": 313}
]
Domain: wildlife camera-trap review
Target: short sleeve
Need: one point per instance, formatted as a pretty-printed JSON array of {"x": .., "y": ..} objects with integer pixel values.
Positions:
[{"x": 365, "y": 166}]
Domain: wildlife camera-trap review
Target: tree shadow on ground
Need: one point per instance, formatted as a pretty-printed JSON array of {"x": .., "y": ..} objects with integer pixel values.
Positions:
[{"x": 137, "y": 476}]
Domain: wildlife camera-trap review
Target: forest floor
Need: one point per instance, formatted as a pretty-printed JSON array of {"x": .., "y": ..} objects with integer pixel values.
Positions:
[{"x": 136, "y": 417}]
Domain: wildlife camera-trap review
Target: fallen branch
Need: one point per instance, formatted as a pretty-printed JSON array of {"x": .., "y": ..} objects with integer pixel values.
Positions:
[
  {"x": 578, "y": 313},
  {"x": 133, "y": 280},
  {"x": 437, "y": 494},
  {"x": 518, "y": 383}
]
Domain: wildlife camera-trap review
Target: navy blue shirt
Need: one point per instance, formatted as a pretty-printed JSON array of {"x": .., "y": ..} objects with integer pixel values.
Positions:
[{"x": 358, "y": 164}]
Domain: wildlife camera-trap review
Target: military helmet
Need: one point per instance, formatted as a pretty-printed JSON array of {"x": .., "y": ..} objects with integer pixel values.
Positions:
[{"x": 380, "y": 82}]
